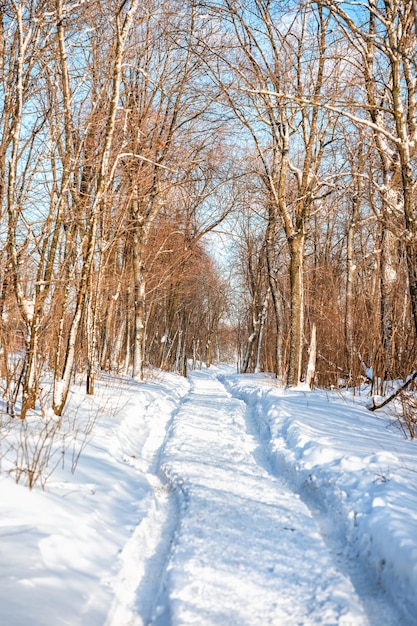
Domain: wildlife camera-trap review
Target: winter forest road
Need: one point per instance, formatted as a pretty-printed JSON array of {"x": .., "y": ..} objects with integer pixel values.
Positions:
[{"x": 233, "y": 544}]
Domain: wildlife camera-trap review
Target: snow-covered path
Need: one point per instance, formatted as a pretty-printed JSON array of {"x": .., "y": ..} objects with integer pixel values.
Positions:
[
  {"x": 247, "y": 550},
  {"x": 221, "y": 500}
]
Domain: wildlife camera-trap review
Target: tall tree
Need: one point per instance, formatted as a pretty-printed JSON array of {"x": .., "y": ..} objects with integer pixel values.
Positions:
[
  {"x": 123, "y": 19},
  {"x": 264, "y": 58},
  {"x": 383, "y": 36}
]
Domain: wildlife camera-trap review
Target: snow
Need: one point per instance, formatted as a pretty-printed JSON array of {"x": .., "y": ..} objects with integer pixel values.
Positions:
[{"x": 217, "y": 500}]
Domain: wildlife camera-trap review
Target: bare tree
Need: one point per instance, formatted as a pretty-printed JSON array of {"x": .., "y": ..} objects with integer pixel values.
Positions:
[
  {"x": 122, "y": 23},
  {"x": 382, "y": 34},
  {"x": 29, "y": 239},
  {"x": 163, "y": 106},
  {"x": 273, "y": 56}
]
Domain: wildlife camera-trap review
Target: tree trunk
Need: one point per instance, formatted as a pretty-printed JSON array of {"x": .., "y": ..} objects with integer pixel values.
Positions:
[
  {"x": 209, "y": 351},
  {"x": 388, "y": 282},
  {"x": 249, "y": 347},
  {"x": 311, "y": 367},
  {"x": 270, "y": 242},
  {"x": 139, "y": 292},
  {"x": 139, "y": 330},
  {"x": 30, "y": 383},
  {"x": 411, "y": 251},
  {"x": 178, "y": 356},
  {"x": 411, "y": 227},
  {"x": 92, "y": 355},
  {"x": 262, "y": 321},
  {"x": 128, "y": 346},
  {"x": 296, "y": 245},
  {"x": 350, "y": 282}
]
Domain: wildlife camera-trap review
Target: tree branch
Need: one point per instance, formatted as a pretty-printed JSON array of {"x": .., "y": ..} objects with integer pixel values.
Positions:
[{"x": 400, "y": 389}]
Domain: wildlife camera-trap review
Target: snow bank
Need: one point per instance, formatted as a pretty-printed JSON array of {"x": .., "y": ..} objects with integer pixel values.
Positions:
[
  {"x": 354, "y": 465},
  {"x": 69, "y": 554},
  {"x": 173, "y": 491}
]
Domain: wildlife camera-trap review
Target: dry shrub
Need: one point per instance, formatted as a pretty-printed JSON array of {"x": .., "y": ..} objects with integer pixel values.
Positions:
[{"x": 407, "y": 419}]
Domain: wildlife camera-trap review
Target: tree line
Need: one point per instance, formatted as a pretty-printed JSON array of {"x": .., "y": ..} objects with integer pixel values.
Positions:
[{"x": 129, "y": 131}]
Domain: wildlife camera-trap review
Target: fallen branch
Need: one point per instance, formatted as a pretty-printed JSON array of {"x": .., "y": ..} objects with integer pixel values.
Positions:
[{"x": 400, "y": 389}]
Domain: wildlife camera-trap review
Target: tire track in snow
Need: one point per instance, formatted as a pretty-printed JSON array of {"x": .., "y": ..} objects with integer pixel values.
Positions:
[
  {"x": 144, "y": 557},
  {"x": 142, "y": 560},
  {"x": 378, "y": 607}
]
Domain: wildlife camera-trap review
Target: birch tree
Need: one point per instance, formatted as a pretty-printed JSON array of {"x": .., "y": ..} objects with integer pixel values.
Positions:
[
  {"x": 165, "y": 140},
  {"x": 30, "y": 235},
  {"x": 122, "y": 23},
  {"x": 383, "y": 36},
  {"x": 275, "y": 54}
]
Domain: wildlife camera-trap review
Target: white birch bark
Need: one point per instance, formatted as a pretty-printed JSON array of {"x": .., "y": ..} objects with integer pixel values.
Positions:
[
  {"x": 312, "y": 356},
  {"x": 62, "y": 383}
]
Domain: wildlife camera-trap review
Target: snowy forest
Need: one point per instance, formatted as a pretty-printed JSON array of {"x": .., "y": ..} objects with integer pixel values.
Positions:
[
  {"x": 217, "y": 181},
  {"x": 208, "y": 312}
]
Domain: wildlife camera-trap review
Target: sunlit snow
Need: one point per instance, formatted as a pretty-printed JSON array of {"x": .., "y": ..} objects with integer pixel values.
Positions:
[{"x": 217, "y": 500}]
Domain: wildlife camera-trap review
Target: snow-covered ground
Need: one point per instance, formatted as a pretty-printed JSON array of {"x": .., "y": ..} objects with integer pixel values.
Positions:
[{"x": 217, "y": 500}]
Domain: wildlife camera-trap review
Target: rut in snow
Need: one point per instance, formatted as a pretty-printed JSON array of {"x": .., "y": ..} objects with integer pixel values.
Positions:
[
  {"x": 247, "y": 549},
  {"x": 378, "y": 607},
  {"x": 143, "y": 558}
]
